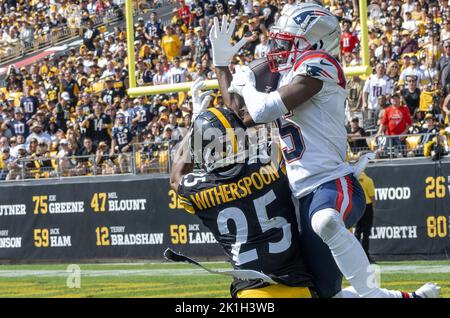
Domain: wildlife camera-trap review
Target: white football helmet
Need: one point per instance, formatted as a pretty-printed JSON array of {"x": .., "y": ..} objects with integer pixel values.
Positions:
[{"x": 303, "y": 27}]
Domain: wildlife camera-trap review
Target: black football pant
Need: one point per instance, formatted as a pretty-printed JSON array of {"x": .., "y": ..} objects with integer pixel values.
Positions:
[{"x": 363, "y": 228}]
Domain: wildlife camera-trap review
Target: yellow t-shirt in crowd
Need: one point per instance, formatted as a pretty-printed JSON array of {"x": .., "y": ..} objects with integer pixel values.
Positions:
[
  {"x": 171, "y": 46},
  {"x": 43, "y": 71},
  {"x": 417, "y": 15},
  {"x": 426, "y": 101},
  {"x": 388, "y": 35},
  {"x": 374, "y": 41},
  {"x": 368, "y": 187},
  {"x": 16, "y": 96}
]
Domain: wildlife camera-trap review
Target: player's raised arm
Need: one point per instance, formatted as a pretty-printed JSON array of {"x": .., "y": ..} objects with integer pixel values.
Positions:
[
  {"x": 223, "y": 52},
  {"x": 233, "y": 101},
  {"x": 267, "y": 107},
  {"x": 182, "y": 161}
]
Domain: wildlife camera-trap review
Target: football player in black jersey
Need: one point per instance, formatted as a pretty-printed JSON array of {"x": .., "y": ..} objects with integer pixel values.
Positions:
[{"x": 246, "y": 204}]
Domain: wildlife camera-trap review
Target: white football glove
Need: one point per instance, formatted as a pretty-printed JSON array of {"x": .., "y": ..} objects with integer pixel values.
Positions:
[
  {"x": 201, "y": 101},
  {"x": 362, "y": 163},
  {"x": 222, "y": 50},
  {"x": 243, "y": 76}
]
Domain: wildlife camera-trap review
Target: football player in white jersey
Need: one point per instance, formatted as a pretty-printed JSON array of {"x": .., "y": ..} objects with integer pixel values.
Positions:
[{"x": 309, "y": 109}]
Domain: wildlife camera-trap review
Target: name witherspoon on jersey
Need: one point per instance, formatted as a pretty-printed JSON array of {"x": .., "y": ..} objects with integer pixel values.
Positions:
[{"x": 242, "y": 188}]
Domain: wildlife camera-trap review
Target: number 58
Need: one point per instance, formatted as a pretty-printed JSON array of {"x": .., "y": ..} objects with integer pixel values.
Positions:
[{"x": 178, "y": 234}]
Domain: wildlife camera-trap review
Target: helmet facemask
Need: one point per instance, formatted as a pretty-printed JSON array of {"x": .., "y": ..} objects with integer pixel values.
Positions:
[{"x": 285, "y": 48}]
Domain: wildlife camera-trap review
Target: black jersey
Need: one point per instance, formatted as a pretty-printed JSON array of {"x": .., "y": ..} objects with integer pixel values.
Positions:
[
  {"x": 146, "y": 113},
  {"x": 123, "y": 136},
  {"x": 108, "y": 95},
  {"x": 252, "y": 217},
  {"x": 52, "y": 92},
  {"x": 78, "y": 122},
  {"x": 154, "y": 29},
  {"x": 19, "y": 127},
  {"x": 30, "y": 106},
  {"x": 96, "y": 130}
]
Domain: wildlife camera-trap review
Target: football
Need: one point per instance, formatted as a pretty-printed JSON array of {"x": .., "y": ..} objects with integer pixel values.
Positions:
[{"x": 266, "y": 81}]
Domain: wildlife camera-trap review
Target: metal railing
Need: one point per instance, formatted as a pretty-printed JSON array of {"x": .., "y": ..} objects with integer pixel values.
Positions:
[
  {"x": 145, "y": 158},
  {"x": 390, "y": 146},
  {"x": 152, "y": 157},
  {"x": 156, "y": 158}
]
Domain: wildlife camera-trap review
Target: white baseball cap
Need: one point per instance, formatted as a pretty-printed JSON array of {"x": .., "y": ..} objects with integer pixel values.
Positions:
[{"x": 65, "y": 95}]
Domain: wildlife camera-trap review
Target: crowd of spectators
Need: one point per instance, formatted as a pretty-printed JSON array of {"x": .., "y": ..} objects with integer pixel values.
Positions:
[
  {"x": 70, "y": 114},
  {"x": 28, "y": 25},
  {"x": 408, "y": 92}
]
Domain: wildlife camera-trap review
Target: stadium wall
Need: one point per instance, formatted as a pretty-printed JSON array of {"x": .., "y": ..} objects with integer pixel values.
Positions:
[
  {"x": 412, "y": 213},
  {"x": 138, "y": 217}
]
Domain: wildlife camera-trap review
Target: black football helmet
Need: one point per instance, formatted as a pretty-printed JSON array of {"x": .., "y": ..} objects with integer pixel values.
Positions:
[{"x": 218, "y": 139}]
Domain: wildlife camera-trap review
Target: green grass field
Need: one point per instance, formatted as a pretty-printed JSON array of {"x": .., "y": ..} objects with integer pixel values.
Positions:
[{"x": 176, "y": 280}]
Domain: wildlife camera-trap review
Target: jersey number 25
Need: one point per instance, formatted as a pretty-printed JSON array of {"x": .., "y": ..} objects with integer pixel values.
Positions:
[{"x": 266, "y": 224}]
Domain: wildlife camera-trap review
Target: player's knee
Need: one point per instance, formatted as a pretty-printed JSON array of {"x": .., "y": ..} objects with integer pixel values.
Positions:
[{"x": 326, "y": 223}]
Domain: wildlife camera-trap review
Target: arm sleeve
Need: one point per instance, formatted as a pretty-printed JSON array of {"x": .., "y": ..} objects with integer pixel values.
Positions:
[{"x": 263, "y": 107}]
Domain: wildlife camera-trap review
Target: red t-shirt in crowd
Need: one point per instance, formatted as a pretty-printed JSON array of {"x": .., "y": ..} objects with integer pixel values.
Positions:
[
  {"x": 348, "y": 42},
  {"x": 395, "y": 120},
  {"x": 185, "y": 14}
]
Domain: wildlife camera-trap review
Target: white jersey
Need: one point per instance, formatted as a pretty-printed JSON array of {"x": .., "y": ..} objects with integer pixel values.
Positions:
[
  {"x": 377, "y": 87},
  {"x": 177, "y": 75},
  {"x": 248, "y": 6},
  {"x": 313, "y": 136}
]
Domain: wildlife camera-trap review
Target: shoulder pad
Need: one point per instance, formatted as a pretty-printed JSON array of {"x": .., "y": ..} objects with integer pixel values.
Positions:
[{"x": 320, "y": 65}]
